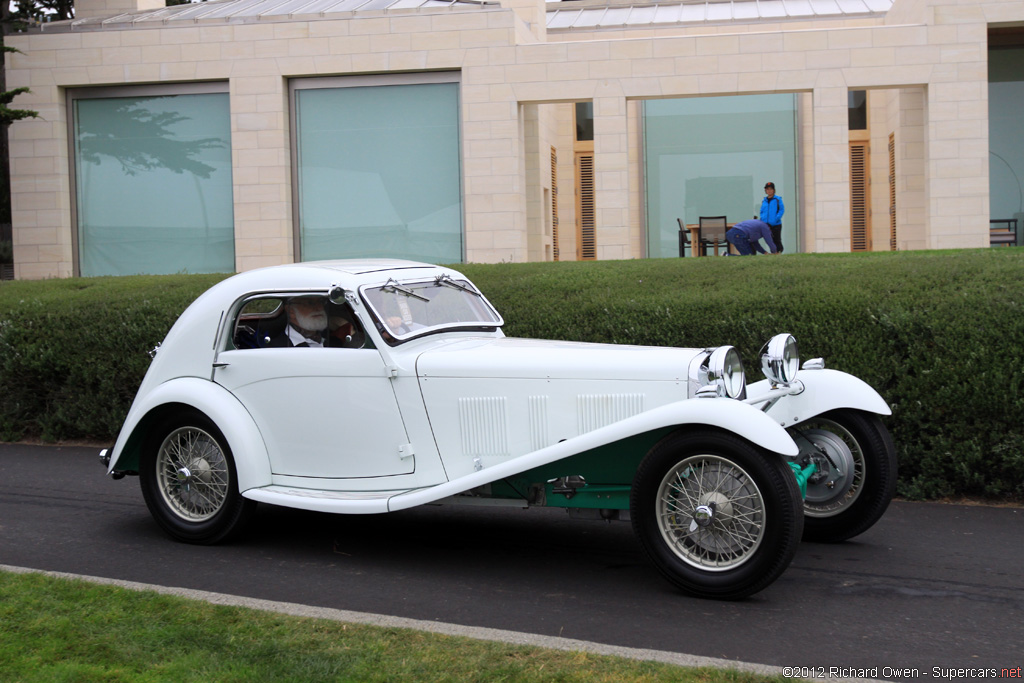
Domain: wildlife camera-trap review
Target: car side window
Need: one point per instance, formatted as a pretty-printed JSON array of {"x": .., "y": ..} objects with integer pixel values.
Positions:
[{"x": 297, "y": 321}]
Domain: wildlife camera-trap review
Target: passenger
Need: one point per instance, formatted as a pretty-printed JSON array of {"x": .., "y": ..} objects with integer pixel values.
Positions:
[{"x": 345, "y": 332}]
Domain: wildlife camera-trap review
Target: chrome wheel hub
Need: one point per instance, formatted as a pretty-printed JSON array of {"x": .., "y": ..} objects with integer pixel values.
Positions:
[
  {"x": 192, "y": 474},
  {"x": 702, "y": 515},
  {"x": 840, "y": 460},
  {"x": 710, "y": 513}
]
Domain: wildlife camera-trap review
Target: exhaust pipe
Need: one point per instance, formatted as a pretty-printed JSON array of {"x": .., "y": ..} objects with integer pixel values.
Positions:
[{"x": 105, "y": 461}]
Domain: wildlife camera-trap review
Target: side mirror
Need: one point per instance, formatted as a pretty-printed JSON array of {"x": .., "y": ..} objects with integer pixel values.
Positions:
[{"x": 336, "y": 295}]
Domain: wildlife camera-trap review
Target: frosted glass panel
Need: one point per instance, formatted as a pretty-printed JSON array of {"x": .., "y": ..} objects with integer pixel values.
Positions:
[
  {"x": 378, "y": 172},
  {"x": 1006, "y": 138},
  {"x": 711, "y": 156},
  {"x": 153, "y": 185}
]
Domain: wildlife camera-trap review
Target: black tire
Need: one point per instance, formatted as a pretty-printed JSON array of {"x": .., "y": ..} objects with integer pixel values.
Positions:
[
  {"x": 189, "y": 480},
  {"x": 850, "y": 499},
  {"x": 739, "y": 530}
]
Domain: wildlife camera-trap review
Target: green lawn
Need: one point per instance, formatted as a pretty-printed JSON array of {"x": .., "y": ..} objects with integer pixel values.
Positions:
[{"x": 68, "y": 630}]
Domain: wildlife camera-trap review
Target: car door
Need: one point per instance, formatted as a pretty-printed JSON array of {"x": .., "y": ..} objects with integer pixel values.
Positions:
[
  {"x": 327, "y": 412},
  {"x": 322, "y": 412}
]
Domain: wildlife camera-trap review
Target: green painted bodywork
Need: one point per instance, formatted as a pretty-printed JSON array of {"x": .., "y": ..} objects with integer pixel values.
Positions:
[
  {"x": 608, "y": 471},
  {"x": 590, "y": 496},
  {"x": 802, "y": 475}
]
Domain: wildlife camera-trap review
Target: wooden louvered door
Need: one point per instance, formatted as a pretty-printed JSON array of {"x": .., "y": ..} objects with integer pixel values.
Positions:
[
  {"x": 860, "y": 201},
  {"x": 892, "y": 192},
  {"x": 554, "y": 204},
  {"x": 586, "y": 212}
]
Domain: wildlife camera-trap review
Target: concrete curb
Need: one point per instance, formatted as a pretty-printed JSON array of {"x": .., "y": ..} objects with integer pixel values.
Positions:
[{"x": 489, "y": 634}]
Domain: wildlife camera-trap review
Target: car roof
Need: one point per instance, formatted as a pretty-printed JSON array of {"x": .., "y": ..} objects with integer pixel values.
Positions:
[
  {"x": 361, "y": 266},
  {"x": 309, "y": 276},
  {"x": 187, "y": 347},
  {"x": 348, "y": 273}
]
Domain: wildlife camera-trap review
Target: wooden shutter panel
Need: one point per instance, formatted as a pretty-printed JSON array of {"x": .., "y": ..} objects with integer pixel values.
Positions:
[
  {"x": 860, "y": 224},
  {"x": 892, "y": 192},
  {"x": 554, "y": 204},
  {"x": 586, "y": 221}
]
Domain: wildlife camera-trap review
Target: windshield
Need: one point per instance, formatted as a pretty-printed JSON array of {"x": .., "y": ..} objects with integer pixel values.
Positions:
[{"x": 407, "y": 309}]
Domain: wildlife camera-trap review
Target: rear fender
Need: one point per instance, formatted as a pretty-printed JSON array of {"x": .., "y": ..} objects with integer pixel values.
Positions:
[{"x": 252, "y": 461}]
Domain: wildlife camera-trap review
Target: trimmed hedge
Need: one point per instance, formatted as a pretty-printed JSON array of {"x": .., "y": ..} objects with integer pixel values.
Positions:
[
  {"x": 939, "y": 334},
  {"x": 73, "y": 352}
]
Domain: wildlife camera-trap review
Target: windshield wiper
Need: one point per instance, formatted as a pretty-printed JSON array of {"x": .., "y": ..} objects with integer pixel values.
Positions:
[
  {"x": 447, "y": 281},
  {"x": 392, "y": 285}
]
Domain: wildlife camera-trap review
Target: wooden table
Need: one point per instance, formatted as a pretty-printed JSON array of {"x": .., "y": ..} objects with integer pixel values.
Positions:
[{"x": 695, "y": 247}]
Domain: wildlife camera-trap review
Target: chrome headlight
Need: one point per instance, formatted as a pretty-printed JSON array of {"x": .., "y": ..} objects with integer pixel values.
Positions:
[
  {"x": 780, "y": 359},
  {"x": 725, "y": 371}
]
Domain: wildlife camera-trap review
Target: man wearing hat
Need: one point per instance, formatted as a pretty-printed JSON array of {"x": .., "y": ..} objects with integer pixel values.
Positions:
[{"x": 772, "y": 209}]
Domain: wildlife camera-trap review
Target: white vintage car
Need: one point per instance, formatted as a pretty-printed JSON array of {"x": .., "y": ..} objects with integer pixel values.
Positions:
[{"x": 365, "y": 387}]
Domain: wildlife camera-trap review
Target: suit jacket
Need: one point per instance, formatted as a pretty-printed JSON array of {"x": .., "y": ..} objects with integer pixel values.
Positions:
[{"x": 283, "y": 341}]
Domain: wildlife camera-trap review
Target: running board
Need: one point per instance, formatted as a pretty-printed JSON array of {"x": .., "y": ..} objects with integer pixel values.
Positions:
[
  {"x": 360, "y": 502},
  {"x": 340, "y": 502}
]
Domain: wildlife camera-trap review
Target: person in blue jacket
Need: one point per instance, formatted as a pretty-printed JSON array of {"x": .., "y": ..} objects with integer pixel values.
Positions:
[
  {"x": 772, "y": 209},
  {"x": 746, "y": 236}
]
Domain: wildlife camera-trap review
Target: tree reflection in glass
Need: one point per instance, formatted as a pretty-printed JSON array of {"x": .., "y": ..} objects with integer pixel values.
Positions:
[{"x": 154, "y": 184}]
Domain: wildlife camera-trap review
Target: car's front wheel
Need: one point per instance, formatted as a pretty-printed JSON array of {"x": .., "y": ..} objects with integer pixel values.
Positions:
[
  {"x": 189, "y": 480},
  {"x": 856, "y": 476},
  {"x": 718, "y": 517}
]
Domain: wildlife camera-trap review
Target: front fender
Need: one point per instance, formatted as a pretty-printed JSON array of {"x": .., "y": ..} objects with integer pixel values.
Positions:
[
  {"x": 252, "y": 462},
  {"x": 727, "y": 414},
  {"x": 823, "y": 390}
]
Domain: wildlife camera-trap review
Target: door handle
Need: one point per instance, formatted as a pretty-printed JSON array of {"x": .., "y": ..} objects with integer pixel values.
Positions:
[{"x": 221, "y": 364}]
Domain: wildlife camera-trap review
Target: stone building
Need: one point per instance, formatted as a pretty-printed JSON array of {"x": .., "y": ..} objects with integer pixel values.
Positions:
[{"x": 234, "y": 134}]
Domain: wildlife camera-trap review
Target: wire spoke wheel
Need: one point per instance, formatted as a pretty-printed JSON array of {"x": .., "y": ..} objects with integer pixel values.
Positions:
[
  {"x": 192, "y": 474},
  {"x": 189, "y": 480},
  {"x": 840, "y": 459},
  {"x": 856, "y": 475},
  {"x": 711, "y": 513},
  {"x": 717, "y": 516}
]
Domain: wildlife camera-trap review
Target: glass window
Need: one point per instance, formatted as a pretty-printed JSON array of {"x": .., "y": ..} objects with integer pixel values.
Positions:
[
  {"x": 408, "y": 309},
  {"x": 858, "y": 109},
  {"x": 711, "y": 156},
  {"x": 153, "y": 186},
  {"x": 378, "y": 171},
  {"x": 584, "y": 121},
  {"x": 1006, "y": 138},
  {"x": 304, "y": 320}
]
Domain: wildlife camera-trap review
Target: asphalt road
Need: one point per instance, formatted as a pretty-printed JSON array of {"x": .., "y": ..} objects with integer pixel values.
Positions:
[{"x": 929, "y": 586}]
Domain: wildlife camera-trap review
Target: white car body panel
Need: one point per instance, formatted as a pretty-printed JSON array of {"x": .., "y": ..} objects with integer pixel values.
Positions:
[
  {"x": 492, "y": 400},
  {"x": 323, "y": 413},
  {"x": 823, "y": 390},
  {"x": 251, "y": 460},
  {"x": 727, "y": 414},
  {"x": 386, "y": 428}
]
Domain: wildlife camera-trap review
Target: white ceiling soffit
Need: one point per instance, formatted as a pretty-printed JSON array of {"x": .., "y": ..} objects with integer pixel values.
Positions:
[
  {"x": 563, "y": 16},
  {"x": 248, "y": 11}
]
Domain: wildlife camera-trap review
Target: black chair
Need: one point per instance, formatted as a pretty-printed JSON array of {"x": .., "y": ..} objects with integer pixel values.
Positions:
[
  {"x": 1002, "y": 232},
  {"x": 712, "y": 233},
  {"x": 684, "y": 240}
]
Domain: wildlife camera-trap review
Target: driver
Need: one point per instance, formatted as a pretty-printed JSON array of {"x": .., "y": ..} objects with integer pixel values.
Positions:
[{"x": 307, "y": 323}]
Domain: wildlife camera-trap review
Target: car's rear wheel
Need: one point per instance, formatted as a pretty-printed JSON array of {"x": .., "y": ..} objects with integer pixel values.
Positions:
[
  {"x": 718, "y": 517},
  {"x": 856, "y": 476},
  {"x": 189, "y": 480}
]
